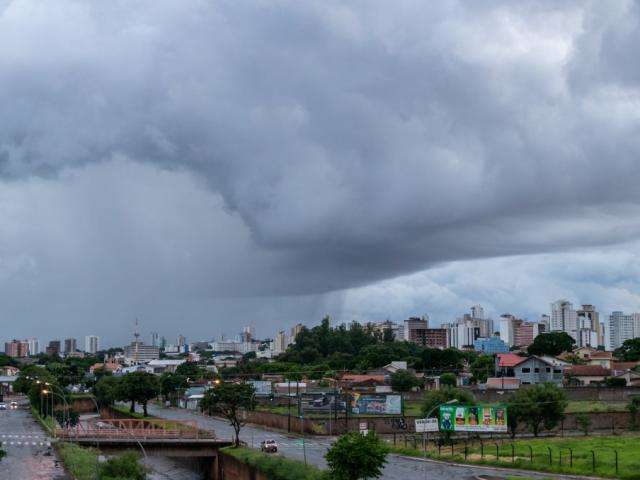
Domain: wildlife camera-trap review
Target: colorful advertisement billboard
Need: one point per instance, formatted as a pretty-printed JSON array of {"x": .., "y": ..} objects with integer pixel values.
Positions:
[
  {"x": 462, "y": 418},
  {"x": 377, "y": 404}
]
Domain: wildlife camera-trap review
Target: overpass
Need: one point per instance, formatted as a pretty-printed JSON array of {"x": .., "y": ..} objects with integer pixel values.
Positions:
[{"x": 154, "y": 437}]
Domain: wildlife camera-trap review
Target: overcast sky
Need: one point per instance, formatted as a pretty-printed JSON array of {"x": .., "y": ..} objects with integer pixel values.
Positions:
[{"x": 202, "y": 165}]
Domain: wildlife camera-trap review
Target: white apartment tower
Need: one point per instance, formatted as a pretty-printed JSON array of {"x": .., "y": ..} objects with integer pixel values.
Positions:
[
  {"x": 623, "y": 327},
  {"x": 34, "y": 346},
  {"x": 564, "y": 318},
  {"x": 91, "y": 344}
]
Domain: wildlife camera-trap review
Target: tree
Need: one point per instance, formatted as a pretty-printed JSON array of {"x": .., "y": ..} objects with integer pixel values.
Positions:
[
  {"x": 138, "y": 387},
  {"x": 228, "y": 399},
  {"x": 482, "y": 367},
  {"x": 433, "y": 398},
  {"x": 124, "y": 466},
  {"x": 403, "y": 381},
  {"x": 629, "y": 351},
  {"x": 388, "y": 335},
  {"x": 107, "y": 390},
  {"x": 584, "y": 422},
  {"x": 538, "y": 406},
  {"x": 355, "y": 456},
  {"x": 634, "y": 408},
  {"x": 615, "y": 382},
  {"x": 190, "y": 370},
  {"x": 170, "y": 383},
  {"x": 552, "y": 343},
  {"x": 448, "y": 380}
]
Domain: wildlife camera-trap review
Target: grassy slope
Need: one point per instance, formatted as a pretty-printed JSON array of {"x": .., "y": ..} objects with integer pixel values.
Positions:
[
  {"x": 275, "y": 467},
  {"x": 80, "y": 462}
]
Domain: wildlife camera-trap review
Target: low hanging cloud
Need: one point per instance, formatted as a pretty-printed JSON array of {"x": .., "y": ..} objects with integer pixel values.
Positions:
[{"x": 345, "y": 144}]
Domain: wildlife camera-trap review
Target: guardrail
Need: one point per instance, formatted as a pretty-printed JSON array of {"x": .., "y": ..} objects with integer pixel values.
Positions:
[{"x": 135, "y": 429}]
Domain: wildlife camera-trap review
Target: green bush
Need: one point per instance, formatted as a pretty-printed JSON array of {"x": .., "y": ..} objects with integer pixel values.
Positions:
[
  {"x": 125, "y": 466},
  {"x": 81, "y": 463}
]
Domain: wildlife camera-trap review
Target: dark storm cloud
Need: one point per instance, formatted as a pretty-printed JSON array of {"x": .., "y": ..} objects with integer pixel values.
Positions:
[{"x": 355, "y": 141}]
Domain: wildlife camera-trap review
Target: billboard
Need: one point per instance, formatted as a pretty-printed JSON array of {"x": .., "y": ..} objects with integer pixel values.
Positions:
[
  {"x": 322, "y": 402},
  {"x": 376, "y": 404},
  {"x": 261, "y": 387},
  {"x": 462, "y": 418},
  {"x": 424, "y": 425}
]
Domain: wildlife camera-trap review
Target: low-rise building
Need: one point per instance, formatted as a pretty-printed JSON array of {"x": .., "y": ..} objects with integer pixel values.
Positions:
[
  {"x": 490, "y": 345},
  {"x": 530, "y": 370},
  {"x": 583, "y": 375},
  {"x": 162, "y": 365}
]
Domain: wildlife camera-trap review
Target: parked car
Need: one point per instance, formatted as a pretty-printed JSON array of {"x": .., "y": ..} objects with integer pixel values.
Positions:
[
  {"x": 3, "y": 406},
  {"x": 269, "y": 446},
  {"x": 13, "y": 405}
]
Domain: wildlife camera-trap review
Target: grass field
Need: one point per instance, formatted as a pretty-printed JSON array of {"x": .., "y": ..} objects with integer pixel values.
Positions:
[
  {"x": 555, "y": 455},
  {"x": 591, "y": 406},
  {"x": 82, "y": 463}
]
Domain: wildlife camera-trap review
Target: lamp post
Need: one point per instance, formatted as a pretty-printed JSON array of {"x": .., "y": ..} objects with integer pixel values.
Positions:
[{"x": 455, "y": 400}]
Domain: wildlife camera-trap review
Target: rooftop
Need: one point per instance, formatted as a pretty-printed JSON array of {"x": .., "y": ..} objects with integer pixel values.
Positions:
[{"x": 509, "y": 359}]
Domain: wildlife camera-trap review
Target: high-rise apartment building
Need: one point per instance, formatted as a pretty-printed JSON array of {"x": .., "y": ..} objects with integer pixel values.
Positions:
[
  {"x": 416, "y": 330},
  {"x": 70, "y": 345},
  {"x": 477, "y": 312},
  {"x": 280, "y": 343},
  {"x": 623, "y": 327},
  {"x": 53, "y": 349},
  {"x": 91, "y": 344},
  {"x": 34, "y": 346},
  {"x": 517, "y": 332},
  {"x": 16, "y": 348},
  {"x": 295, "y": 330},
  {"x": 564, "y": 318},
  {"x": 182, "y": 341},
  {"x": 155, "y": 339},
  {"x": 138, "y": 352},
  {"x": 589, "y": 319}
]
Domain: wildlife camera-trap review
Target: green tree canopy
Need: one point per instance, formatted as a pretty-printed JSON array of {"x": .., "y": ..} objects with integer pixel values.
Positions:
[
  {"x": 138, "y": 387},
  {"x": 552, "y": 343},
  {"x": 124, "y": 466},
  {"x": 354, "y": 456},
  {"x": 190, "y": 370},
  {"x": 629, "y": 351},
  {"x": 538, "y": 406},
  {"x": 170, "y": 383},
  {"x": 448, "y": 380},
  {"x": 229, "y": 399},
  {"x": 403, "y": 381},
  {"x": 107, "y": 390},
  {"x": 482, "y": 368}
]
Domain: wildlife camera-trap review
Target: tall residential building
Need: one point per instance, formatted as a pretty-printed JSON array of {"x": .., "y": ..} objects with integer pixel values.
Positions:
[
  {"x": 564, "y": 318},
  {"x": 416, "y": 330},
  {"x": 623, "y": 327},
  {"x": 506, "y": 328},
  {"x": 477, "y": 312},
  {"x": 525, "y": 333},
  {"x": 16, "y": 348},
  {"x": 280, "y": 343},
  {"x": 70, "y": 345},
  {"x": 155, "y": 339},
  {"x": 589, "y": 318},
  {"x": 53, "y": 349},
  {"x": 91, "y": 344},
  {"x": 182, "y": 341},
  {"x": 295, "y": 330},
  {"x": 34, "y": 346}
]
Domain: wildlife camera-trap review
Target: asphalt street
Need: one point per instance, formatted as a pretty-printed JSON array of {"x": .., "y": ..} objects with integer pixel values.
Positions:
[
  {"x": 314, "y": 448},
  {"x": 28, "y": 447}
]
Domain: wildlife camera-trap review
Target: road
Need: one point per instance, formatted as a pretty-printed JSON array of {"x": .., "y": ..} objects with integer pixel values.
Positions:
[
  {"x": 397, "y": 468},
  {"x": 28, "y": 447}
]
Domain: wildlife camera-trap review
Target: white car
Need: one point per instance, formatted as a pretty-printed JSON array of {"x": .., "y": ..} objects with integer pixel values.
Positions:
[
  {"x": 269, "y": 446},
  {"x": 13, "y": 405},
  {"x": 3, "y": 406}
]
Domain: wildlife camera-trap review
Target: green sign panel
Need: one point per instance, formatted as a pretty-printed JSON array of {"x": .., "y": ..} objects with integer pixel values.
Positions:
[{"x": 462, "y": 418}]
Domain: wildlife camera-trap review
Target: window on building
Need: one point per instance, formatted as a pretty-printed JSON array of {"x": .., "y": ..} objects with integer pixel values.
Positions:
[
  {"x": 537, "y": 370},
  {"x": 526, "y": 370},
  {"x": 557, "y": 370},
  {"x": 548, "y": 369}
]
